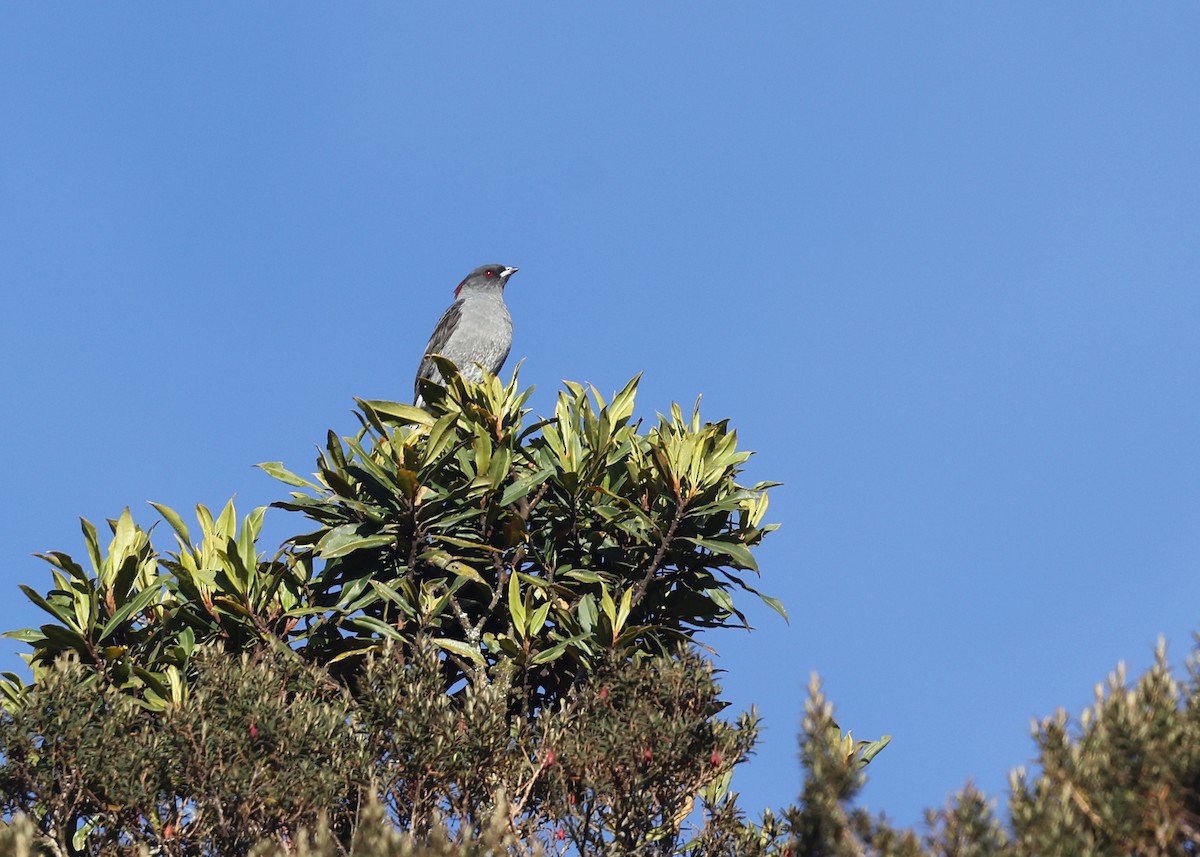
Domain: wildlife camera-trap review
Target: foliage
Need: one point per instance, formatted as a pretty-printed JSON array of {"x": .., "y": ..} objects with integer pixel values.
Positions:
[
  {"x": 491, "y": 628},
  {"x": 543, "y": 546},
  {"x": 258, "y": 747},
  {"x": 487, "y": 645},
  {"x": 137, "y": 617},
  {"x": 1128, "y": 781},
  {"x": 265, "y": 746},
  {"x": 1124, "y": 779},
  {"x": 613, "y": 769},
  {"x": 375, "y": 837},
  {"x": 823, "y": 825}
]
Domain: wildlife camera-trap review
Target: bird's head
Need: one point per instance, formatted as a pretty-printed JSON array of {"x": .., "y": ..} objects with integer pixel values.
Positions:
[{"x": 486, "y": 278}]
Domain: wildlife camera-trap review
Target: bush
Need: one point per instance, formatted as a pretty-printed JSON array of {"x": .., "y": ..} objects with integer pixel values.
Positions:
[{"x": 264, "y": 747}]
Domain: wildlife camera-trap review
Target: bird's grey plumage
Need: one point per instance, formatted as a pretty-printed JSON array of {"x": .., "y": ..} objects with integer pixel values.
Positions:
[{"x": 476, "y": 329}]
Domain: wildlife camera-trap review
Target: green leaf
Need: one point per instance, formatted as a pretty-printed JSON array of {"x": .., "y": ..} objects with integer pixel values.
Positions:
[
  {"x": 470, "y": 544},
  {"x": 584, "y": 576},
  {"x": 351, "y": 593},
  {"x": 550, "y": 654},
  {"x": 623, "y": 611},
  {"x": 232, "y": 605},
  {"x": 172, "y": 517},
  {"x": 716, "y": 790},
  {"x": 86, "y": 608},
  {"x": 720, "y": 598},
  {"x": 25, "y": 635},
  {"x": 868, "y": 750},
  {"x": 62, "y": 613},
  {"x": 537, "y": 620},
  {"x": 276, "y": 470},
  {"x": 349, "y": 538},
  {"x": 460, "y": 648},
  {"x": 373, "y": 625},
  {"x": 620, "y": 408},
  {"x": 739, "y": 555},
  {"x": 446, "y": 562},
  {"x": 187, "y": 641},
  {"x": 80, "y": 837},
  {"x": 358, "y": 648},
  {"x": 155, "y": 681},
  {"x": 516, "y": 607},
  {"x": 776, "y": 605},
  {"x": 389, "y": 594},
  {"x": 226, "y": 524},
  {"x": 246, "y": 548},
  {"x": 132, "y": 607},
  {"x": 65, "y": 638},
  {"x": 93, "y": 544},
  {"x": 397, "y": 411},
  {"x": 523, "y": 487},
  {"x": 587, "y": 612},
  {"x": 609, "y": 608}
]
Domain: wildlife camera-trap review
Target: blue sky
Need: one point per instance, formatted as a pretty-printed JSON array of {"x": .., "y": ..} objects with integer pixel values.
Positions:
[{"x": 937, "y": 262}]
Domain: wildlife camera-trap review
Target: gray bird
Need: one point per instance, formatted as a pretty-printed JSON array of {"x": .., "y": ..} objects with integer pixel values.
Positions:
[{"x": 476, "y": 329}]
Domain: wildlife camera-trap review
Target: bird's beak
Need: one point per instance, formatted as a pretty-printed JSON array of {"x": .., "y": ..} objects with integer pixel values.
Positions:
[{"x": 507, "y": 272}]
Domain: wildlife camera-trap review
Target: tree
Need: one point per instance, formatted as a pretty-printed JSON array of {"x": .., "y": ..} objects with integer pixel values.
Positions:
[
  {"x": 1123, "y": 779},
  {"x": 489, "y": 627},
  {"x": 485, "y": 643}
]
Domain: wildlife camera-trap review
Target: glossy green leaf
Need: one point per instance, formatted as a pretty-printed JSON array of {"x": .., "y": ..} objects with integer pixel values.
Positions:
[
  {"x": 739, "y": 555},
  {"x": 348, "y": 538},
  {"x": 398, "y": 411},
  {"x": 276, "y": 470},
  {"x": 516, "y": 606},
  {"x": 132, "y": 608},
  {"x": 374, "y": 626},
  {"x": 62, "y": 613},
  {"x": 623, "y": 610},
  {"x": 461, "y": 649},
  {"x": 547, "y": 655}
]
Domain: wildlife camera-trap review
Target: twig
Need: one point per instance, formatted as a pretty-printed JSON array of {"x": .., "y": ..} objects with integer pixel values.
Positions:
[{"x": 640, "y": 590}]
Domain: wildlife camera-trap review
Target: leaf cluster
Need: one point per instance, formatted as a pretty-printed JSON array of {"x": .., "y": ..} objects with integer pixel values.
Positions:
[
  {"x": 136, "y": 617},
  {"x": 544, "y": 545}
]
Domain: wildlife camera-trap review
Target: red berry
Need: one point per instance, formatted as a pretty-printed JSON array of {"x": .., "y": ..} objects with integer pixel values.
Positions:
[
  {"x": 253, "y": 731},
  {"x": 549, "y": 757},
  {"x": 560, "y": 834},
  {"x": 647, "y": 755},
  {"x": 715, "y": 758}
]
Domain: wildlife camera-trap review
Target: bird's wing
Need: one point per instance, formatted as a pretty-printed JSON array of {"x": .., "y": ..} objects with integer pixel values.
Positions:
[{"x": 437, "y": 343}]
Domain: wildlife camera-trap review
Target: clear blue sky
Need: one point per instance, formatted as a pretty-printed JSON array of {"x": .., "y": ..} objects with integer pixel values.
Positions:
[{"x": 937, "y": 262}]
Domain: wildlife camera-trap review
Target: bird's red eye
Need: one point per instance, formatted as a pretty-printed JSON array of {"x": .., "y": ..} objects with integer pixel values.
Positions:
[{"x": 487, "y": 273}]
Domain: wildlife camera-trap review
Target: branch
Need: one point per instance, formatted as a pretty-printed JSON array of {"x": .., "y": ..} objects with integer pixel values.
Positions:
[
  {"x": 497, "y": 594},
  {"x": 639, "y": 591},
  {"x": 463, "y": 619}
]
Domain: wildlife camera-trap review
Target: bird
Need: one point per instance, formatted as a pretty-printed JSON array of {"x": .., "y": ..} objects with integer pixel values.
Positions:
[{"x": 475, "y": 333}]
